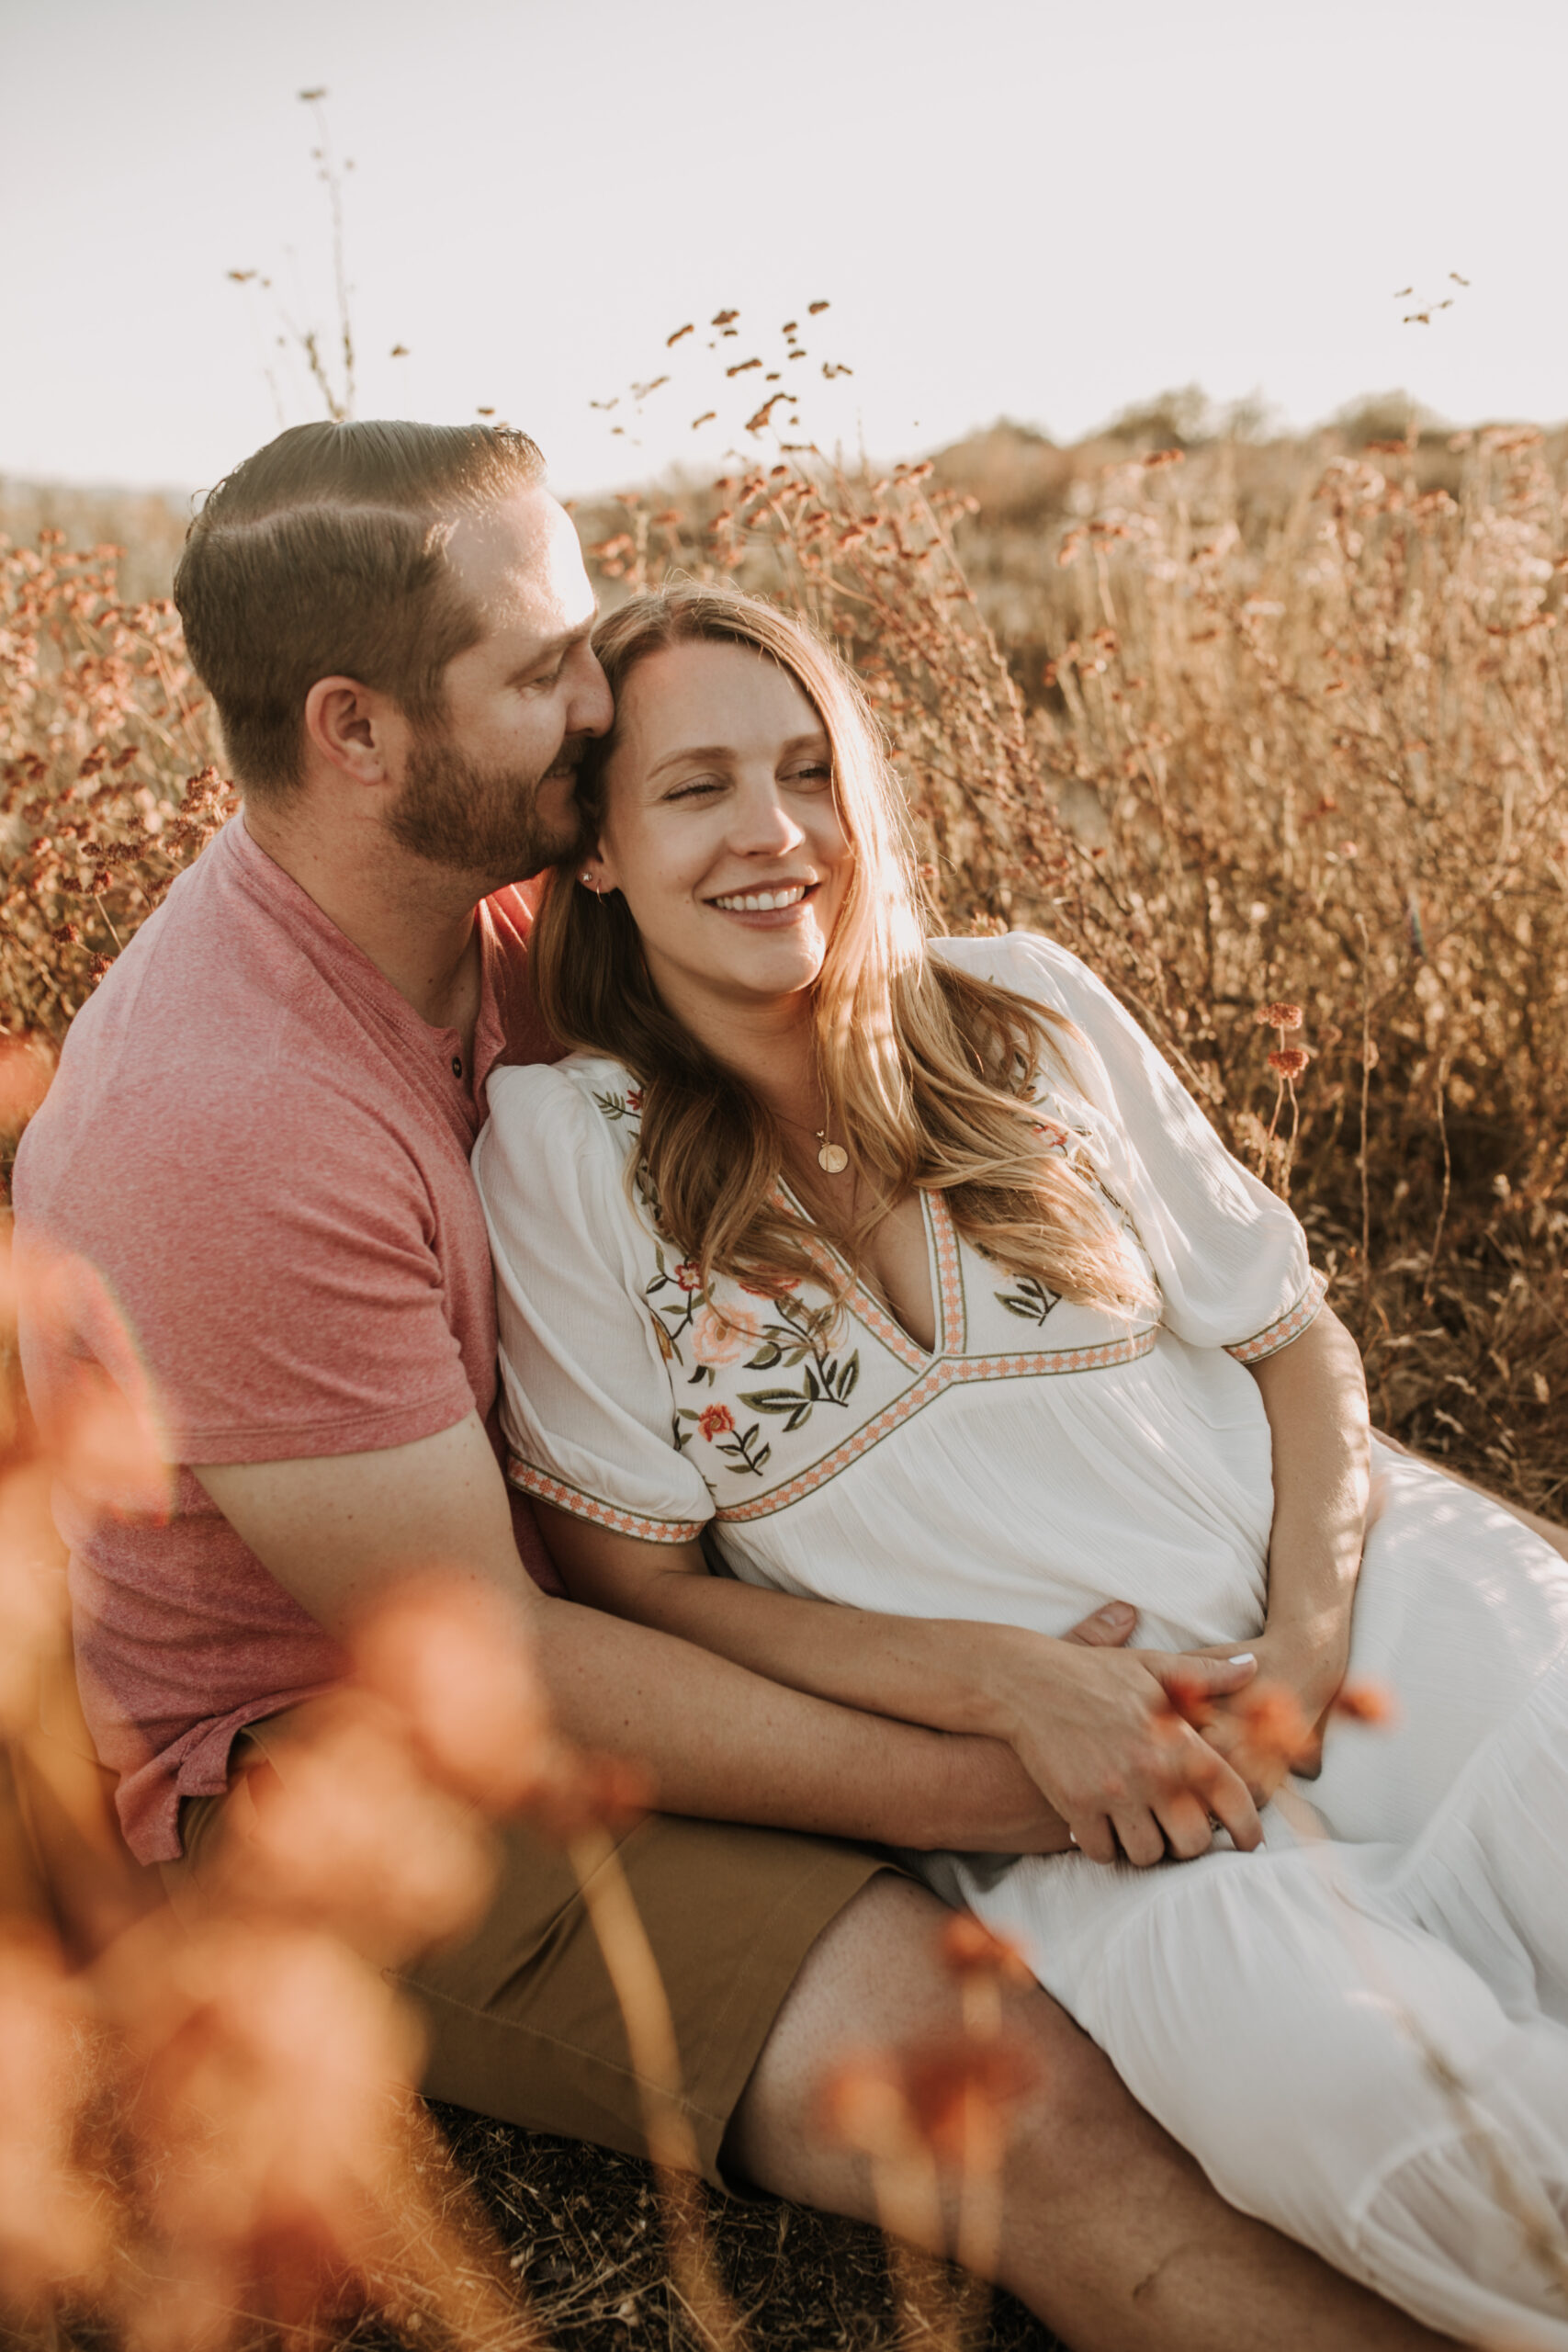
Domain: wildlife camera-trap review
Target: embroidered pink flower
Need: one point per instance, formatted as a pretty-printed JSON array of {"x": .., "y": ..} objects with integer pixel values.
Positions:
[
  {"x": 723, "y": 1339},
  {"x": 715, "y": 1421},
  {"x": 689, "y": 1276}
]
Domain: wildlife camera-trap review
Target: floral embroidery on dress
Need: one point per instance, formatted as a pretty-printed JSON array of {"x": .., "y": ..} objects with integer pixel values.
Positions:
[
  {"x": 777, "y": 1386},
  {"x": 717, "y": 1425},
  {"x": 1030, "y": 1300},
  {"x": 620, "y": 1106},
  {"x": 796, "y": 1337}
]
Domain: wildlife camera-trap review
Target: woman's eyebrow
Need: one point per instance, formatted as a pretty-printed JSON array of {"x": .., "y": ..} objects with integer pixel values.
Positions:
[
  {"x": 816, "y": 740},
  {"x": 691, "y": 752}
]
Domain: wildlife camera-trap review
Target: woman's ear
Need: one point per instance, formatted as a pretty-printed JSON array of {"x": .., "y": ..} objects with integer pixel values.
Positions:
[{"x": 594, "y": 874}]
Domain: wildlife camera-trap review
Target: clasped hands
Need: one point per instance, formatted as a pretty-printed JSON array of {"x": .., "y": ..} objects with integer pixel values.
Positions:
[{"x": 1145, "y": 1753}]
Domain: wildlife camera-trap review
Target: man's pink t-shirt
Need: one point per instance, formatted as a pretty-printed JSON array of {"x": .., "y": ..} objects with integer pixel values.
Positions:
[{"x": 261, "y": 1153}]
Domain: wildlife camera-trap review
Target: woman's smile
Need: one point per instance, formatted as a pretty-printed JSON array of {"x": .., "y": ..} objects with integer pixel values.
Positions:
[{"x": 769, "y": 906}]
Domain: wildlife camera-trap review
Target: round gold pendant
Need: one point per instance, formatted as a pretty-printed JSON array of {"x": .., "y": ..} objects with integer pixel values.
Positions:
[{"x": 832, "y": 1159}]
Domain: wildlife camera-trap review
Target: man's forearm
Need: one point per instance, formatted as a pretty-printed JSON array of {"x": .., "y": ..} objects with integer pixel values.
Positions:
[{"x": 726, "y": 1745}]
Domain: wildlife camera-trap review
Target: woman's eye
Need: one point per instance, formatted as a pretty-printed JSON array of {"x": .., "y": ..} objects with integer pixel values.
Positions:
[
  {"x": 815, "y": 772},
  {"x": 700, "y": 788}
]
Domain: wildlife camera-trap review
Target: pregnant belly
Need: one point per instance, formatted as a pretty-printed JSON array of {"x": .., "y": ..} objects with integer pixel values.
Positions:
[{"x": 1030, "y": 1502}]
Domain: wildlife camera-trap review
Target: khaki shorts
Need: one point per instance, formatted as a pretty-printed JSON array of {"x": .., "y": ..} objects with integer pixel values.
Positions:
[{"x": 523, "y": 2022}]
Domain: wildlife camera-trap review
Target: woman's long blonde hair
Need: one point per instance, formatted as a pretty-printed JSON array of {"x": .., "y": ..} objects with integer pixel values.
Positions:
[{"x": 926, "y": 1070}]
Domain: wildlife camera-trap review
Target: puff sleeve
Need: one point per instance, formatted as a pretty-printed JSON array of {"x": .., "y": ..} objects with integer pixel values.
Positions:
[
  {"x": 586, "y": 1405},
  {"x": 1229, "y": 1256}
]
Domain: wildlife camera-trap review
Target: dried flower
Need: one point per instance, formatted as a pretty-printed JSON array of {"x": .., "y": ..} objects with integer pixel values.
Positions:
[
  {"x": 969, "y": 1948},
  {"x": 1366, "y": 1702}
]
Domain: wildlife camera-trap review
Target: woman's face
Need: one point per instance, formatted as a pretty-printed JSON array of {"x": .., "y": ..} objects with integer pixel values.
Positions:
[{"x": 721, "y": 827}]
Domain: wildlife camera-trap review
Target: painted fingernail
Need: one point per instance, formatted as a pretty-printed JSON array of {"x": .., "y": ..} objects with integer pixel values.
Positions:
[{"x": 1245, "y": 1658}]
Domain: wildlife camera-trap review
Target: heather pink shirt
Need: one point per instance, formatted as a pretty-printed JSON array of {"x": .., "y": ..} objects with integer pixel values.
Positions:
[{"x": 263, "y": 1152}]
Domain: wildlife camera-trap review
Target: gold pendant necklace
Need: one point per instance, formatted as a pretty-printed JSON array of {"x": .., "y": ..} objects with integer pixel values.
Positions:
[{"x": 831, "y": 1158}]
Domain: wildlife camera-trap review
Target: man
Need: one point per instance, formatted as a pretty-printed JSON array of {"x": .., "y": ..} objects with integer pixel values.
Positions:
[{"x": 259, "y": 1137}]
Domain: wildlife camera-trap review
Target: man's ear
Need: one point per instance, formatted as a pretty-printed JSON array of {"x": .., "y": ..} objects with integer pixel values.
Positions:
[{"x": 354, "y": 729}]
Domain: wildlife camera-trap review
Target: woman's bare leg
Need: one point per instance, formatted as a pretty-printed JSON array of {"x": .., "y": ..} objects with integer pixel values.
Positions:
[{"x": 1111, "y": 2234}]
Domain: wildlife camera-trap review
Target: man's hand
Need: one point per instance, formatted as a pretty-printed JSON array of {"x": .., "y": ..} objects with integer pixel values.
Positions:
[{"x": 1101, "y": 1732}]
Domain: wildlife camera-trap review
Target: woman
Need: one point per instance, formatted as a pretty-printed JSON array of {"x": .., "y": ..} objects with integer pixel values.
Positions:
[{"x": 907, "y": 1273}]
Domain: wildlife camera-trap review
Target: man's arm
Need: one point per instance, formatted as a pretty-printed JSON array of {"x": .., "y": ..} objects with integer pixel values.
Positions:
[
  {"x": 340, "y": 1530},
  {"x": 1092, "y": 1725}
]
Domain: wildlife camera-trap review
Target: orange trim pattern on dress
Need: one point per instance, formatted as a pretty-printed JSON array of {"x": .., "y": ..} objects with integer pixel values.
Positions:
[
  {"x": 945, "y": 1372},
  {"x": 950, "y": 1274},
  {"x": 585, "y": 1506},
  {"x": 1285, "y": 1328}
]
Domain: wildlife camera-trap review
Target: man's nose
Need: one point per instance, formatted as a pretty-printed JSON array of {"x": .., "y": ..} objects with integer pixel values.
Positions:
[{"x": 593, "y": 707}]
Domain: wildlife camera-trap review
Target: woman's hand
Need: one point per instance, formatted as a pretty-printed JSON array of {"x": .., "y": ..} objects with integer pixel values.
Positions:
[
  {"x": 1300, "y": 1665},
  {"x": 1102, "y": 1734}
]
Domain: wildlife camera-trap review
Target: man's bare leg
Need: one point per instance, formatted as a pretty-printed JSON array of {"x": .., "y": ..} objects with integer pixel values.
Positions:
[{"x": 1111, "y": 2234}]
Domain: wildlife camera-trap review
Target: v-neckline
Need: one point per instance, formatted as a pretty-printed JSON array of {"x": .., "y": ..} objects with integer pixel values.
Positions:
[{"x": 941, "y": 1272}]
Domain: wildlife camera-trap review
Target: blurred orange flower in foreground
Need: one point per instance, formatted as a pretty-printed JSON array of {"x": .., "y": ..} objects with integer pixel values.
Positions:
[{"x": 950, "y": 2096}]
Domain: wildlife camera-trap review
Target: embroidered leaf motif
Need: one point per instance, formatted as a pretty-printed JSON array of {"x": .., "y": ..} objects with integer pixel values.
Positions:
[
  {"x": 1030, "y": 1300},
  {"x": 826, "y": 1383}
]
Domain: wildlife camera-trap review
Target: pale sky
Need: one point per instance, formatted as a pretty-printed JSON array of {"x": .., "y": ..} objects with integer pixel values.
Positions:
[{"x": 1013, "y": 207}]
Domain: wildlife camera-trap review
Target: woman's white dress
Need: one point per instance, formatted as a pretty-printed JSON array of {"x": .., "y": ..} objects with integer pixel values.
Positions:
[{"x": 1364, "y": 2039}]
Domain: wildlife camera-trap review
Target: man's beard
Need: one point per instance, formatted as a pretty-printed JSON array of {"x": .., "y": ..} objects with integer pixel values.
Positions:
[{"x": 482, "y": 821}]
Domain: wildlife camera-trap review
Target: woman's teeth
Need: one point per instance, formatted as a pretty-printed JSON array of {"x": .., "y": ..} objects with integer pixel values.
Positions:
[{"x": 762, "y": 902}]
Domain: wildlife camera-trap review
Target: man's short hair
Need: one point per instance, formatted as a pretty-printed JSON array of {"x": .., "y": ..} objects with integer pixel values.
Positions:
[{"x": 325, "y": 555}]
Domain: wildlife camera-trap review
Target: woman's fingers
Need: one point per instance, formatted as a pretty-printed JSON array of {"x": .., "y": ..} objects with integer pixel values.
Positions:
[{"x": 1185, "y": 1676}]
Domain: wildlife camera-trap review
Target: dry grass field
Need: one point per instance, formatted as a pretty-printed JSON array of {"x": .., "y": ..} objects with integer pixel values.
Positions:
[{"x": 1274, "y": 733}]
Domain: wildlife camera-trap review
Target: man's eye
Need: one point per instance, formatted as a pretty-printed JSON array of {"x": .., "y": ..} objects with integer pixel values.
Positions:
[{"x": 541, "y": 686}]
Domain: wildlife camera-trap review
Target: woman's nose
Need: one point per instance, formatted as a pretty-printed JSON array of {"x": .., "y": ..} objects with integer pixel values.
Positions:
[{"x": 762, "y": 826}]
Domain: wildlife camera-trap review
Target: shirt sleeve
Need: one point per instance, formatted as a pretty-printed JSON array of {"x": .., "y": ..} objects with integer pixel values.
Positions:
[
  {"x": 1229, "y": 1256},
  {"x": 272, "y": 1254},
  {"x": 586, "y": 1405}
]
